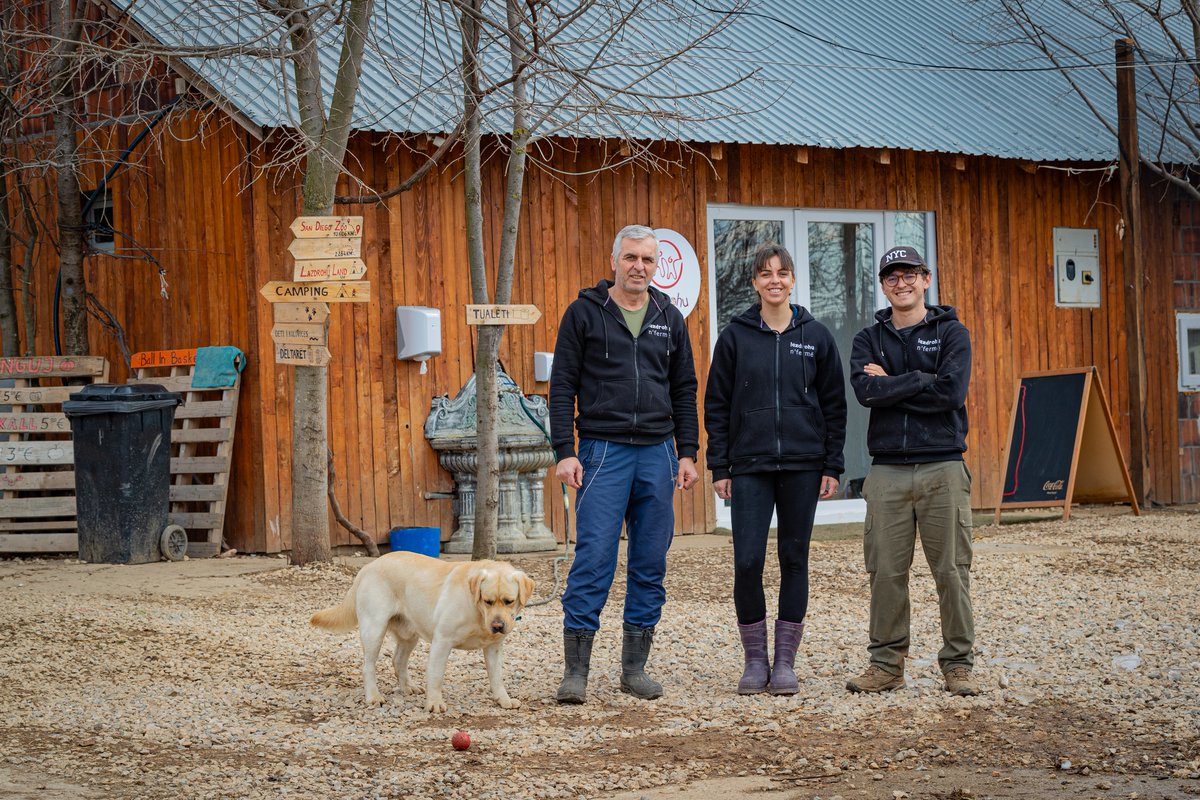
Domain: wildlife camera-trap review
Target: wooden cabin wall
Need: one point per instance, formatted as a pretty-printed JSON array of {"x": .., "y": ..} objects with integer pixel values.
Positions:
[{"x": 219, "y": 244}]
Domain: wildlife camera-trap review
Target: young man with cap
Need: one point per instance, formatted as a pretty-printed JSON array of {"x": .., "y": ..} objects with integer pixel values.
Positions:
[
  {"x": 623, "y": 360},
  {"x": 911, "y": 369}
]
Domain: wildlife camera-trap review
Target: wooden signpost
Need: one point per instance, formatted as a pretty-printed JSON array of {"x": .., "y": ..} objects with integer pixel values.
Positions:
[
  {"x": 306, "y": 355},
  {"x": 1062, "y": 445},
  {"x": 301, "y": 312},
  {"x": 327, "y": 227},
  {"x": 325, "y": 248},
  {"x": 299, "y": 333},
  {"x": 502, "y": 314},
  {"x": 323, "y": 292},
  {"x": 327, "y": 253},
  {"x": 330, "y": 269}
]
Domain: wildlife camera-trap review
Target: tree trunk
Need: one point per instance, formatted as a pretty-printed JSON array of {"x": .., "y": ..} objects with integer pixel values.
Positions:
[
  {"x": 9, "y": 344},
  {"x": 327, "y": 149},
  {"x": 65, "y": 160}
]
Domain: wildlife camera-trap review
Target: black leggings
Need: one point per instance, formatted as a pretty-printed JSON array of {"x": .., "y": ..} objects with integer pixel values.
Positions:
[{"x": 793, "y": 496}]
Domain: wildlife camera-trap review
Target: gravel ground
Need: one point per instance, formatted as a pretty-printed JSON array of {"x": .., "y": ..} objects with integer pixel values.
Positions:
[{"x": 202, "y": 679}]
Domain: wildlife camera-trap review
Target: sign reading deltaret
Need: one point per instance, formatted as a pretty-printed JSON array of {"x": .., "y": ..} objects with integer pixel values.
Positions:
[{"x": 307, "y": 355}]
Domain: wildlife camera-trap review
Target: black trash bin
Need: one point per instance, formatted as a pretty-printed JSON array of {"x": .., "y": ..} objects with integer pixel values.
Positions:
[{"x": 122, "y": 439}]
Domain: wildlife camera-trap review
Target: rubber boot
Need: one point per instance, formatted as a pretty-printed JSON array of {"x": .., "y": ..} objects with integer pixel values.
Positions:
[
  {"x": 635, "y": 649},
  {"x": 758, "y": 669},
  {"x": 577, "y": 653},
  {"x": 787, "y": 639}
]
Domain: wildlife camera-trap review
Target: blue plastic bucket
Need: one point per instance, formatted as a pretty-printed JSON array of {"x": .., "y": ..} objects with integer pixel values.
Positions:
[{"x": 426, "y": 541}]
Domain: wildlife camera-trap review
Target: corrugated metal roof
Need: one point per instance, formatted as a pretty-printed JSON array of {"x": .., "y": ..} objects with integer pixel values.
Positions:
[{"x": 917, "y": 74}]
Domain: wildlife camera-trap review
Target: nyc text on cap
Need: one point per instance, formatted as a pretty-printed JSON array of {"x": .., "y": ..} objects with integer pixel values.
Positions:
[{"x": 901, "y": 256}]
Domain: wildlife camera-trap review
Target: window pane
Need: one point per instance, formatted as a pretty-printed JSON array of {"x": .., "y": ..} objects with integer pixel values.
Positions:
[
  {"x": 910, "y": 229},
  {"x": 841, "y": 268},
  {"x": 1193, "y": 351},
  {"x": 734, "y": 243}
]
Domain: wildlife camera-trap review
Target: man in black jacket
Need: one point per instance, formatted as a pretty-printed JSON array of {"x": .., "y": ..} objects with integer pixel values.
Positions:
[
  {"x": 624, "y": 360},
  {"x": 911, "y": 368}
]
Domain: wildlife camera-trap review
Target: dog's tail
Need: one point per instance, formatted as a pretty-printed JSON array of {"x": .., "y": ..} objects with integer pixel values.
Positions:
[{"x": 341, "y": 617}]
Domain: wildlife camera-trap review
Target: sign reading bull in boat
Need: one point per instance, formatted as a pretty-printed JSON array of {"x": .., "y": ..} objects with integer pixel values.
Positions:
[
  {"x": 327, "y": 227},
  {"x": 325, "y": 292},
  {"x": 330, "y": 269}
]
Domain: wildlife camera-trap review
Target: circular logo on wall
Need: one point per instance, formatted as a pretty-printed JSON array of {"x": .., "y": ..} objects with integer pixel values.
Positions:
[{"x": 678, "y": 272}]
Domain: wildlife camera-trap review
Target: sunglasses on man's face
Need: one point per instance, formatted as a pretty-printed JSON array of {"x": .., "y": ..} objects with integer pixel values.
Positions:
[{"x": 893, "y": 278}]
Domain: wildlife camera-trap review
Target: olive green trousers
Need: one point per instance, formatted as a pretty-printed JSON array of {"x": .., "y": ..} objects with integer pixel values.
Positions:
[{"x": 934, "y": 500}]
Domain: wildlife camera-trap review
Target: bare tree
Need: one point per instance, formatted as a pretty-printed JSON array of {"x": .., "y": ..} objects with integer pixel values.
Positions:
[
  {"x": 325, "y": 127},
  {"x": 600, "y": 65},
  {"x": 1077, "y": 36}
]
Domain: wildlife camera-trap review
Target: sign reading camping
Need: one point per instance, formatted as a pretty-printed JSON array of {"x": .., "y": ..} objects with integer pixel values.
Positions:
[{"x": 325, "y": 292}]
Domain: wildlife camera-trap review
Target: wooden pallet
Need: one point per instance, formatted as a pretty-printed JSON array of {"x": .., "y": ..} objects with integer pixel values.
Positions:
[
  {"x": 37, "y": 506},
  {"x": 201, "y": 446}
]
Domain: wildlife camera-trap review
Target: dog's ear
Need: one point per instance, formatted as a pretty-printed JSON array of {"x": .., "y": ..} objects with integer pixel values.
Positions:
[
  {"x": 524, "y": 587},
  {"x": 475, "y": 584}
]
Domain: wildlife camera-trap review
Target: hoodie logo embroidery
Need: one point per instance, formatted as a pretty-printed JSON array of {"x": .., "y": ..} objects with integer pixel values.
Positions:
[
  {"x": 929, "y": 345},
  {"x": 657, "y": 329},
  {"x": 806, "y": 350}
]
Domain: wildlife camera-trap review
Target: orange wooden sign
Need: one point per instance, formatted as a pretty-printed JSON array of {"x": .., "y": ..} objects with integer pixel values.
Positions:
[{"x": 164, "y": 358}]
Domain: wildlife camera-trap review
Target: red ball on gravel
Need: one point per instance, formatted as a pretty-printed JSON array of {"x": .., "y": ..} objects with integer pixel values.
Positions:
[{"x": 461, "y": 740}]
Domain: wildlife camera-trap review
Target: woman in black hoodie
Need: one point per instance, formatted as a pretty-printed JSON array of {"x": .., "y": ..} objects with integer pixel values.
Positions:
[{"x": 775, "y": 412}]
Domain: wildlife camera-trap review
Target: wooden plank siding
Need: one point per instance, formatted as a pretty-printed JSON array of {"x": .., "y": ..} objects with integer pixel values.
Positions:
[{"x": 219, "y": 244}]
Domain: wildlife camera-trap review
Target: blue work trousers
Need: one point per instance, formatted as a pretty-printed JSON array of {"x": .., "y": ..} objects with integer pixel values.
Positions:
[{"x": 633, "y": 484}]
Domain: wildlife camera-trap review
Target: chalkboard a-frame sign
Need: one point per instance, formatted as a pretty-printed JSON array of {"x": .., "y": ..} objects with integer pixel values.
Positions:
[{"x": 1062, "y": 446}]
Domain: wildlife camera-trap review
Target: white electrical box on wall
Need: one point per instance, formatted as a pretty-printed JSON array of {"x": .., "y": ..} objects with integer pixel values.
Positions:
[
  {"x": 543, "y": 365},
  {"x": 418, "y": 333},
  {"x": 1077, "y": 267}
]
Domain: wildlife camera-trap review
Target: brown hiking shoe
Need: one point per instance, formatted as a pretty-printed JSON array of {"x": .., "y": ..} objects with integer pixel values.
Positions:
[
  {"x": 875, "y": 679},
  {"x": 959, "y": 682}
]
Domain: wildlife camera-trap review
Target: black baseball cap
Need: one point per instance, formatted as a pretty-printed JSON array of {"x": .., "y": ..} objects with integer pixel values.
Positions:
[{"x": 905, "y": 255}]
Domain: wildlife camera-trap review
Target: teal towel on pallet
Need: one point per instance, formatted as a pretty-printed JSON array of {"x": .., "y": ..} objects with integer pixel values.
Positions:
[{"x": 217, "y": 367}]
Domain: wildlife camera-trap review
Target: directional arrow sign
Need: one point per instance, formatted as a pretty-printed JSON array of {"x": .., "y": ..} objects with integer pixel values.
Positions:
[
  {"x": 502, "y": 315},
  {"x": 326, "y": 248},
  {"x": 298, "y": 333},
  {"x": 330, "y": 269},
  {"x": 329, "y": 292},
  {"x": 327, "y": 227},
  {"x": 306, "y": 355},
  {"x": 300, "y": 312}
]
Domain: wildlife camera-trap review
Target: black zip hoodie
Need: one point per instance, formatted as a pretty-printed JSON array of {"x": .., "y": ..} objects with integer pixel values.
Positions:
[
  {"x": 918, "y": 410},
  {"x": 775, "y": 401},
  {"x": 633, "y": 390}
]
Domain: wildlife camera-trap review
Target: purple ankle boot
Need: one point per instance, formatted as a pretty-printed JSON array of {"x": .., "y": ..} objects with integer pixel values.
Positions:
[
  {"x": 758, "y": 670},
  {"x": 787, "y": 639}
]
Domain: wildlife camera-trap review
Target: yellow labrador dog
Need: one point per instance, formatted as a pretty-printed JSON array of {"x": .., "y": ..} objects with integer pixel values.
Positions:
[{"x": 467, "y": 605}]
